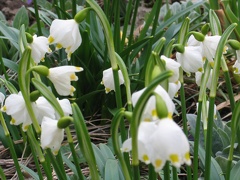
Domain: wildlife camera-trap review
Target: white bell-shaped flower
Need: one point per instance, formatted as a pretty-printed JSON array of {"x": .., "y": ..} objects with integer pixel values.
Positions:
[
  {"x": 204, "y": 114},
  {"x": 61, "y": 78},
  {"x": 169, "y": 143},
  {"x": 145, "y": 130},
  {"x": 51, "y": 135},
  {"x": 66, "y": 107},
  {"x": 173, "y": 89},
  {"x": 150, "y": 112},
  {"x": 65, "y": 33},
  {"x": 236, "y": 66},
  {"x": 39, "y": 48},
  {"x": 198, "y": 77},
  {"x": 108, "y": 80},
  {"x": 210, "y": 44},
  {"x": 15, "y": 107},
  {"x": 173, "y": 66},
  {"x": 191, "y": 60},
  {"x": 43, "y": 108},
  {"x": 193, "y": 42}
]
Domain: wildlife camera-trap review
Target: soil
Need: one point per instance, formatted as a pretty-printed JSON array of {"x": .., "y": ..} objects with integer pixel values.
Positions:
[{"x": 10, "y": 7}]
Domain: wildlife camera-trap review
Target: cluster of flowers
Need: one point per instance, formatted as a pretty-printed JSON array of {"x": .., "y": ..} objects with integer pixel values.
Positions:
[
  {"x": 63, "y": 33},
  {"x": 161, "y": 139},
  {"x": 51, "y": 135}
]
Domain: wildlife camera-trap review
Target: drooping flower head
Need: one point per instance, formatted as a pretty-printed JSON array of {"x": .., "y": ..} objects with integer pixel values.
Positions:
[
  {"x": 173, "y": 66},
  {"x": 51, "y": 136},
  {"x": 15, "y": 106},
  {"x": 198, "y": 77},
  {"x": 150, "y": 112},
  {"x": 191, "y": 59},
  {"x": 66, "y": 107},
  {"x": 61, "y": 78},
  {"x": 173, "y": 89},
  {"x": 236, "y": 66},
  {"x": 210, "y": 44},
  {"x": 169, "y": 143},
  {"x": 2, "y": 97},
  {"x": 39, "y": 48},
  {"x": 65, "y": 33},
  {"x": 161, "y": 141},
  {"x": 108, "y": 80}
]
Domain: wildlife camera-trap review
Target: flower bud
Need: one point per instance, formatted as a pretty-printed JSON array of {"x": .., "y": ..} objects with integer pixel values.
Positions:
[
  {"x": 205, "y": 29},
  {"x": 234, "y": 44},
  {"x": 156, "y": 71},
  {"x": 29, "y": 38},
  {"x": 34, "y": 95},
  {"x": 198, "y": 36},
  {"x": 81, "y": 15},
  {"x": 179, "y": 48},
  {"x": 64, "y": 122},
  {"x": 40, "y": 69},
  {"x": 161, "y": 107}
]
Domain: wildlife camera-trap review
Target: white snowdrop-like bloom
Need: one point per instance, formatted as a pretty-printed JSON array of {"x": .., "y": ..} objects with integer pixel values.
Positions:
[
  {"x": 198, "y": 77},
  {"x": 193, "y": 42},
  {"x": 204, "y": 115},
  {"x": 2, "y": 97},
  {"x": 145, "y": 131},
  {"x": 65, "y": 33},
  {"x": 51, "y": 135},
  {"x": 169, "y": 143},
  {"x": 191, "y": 60},
  {"x": 173, "y": 89},
  {"x": 43, "y": 108},
  {"x": 161, "y": 141},
  {"x": 66, "y": 107},
  {"x": 39, "y": 48},
  {"x": 173, "y": 66},
  {"x": 108, "y": 80},
  {"x": 150, "y": 112},
  {"x": 15, "y": 107},
  {"x": 61, "y": 78},
  {"x": 236, "y": 66},
  {"x": 210, "y": 44}
]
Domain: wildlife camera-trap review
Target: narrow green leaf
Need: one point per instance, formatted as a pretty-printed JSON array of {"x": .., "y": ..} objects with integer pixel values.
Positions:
[
  {"x": 84, "y": 141},
  {"x": 30, "y": 172},
  {"x": 111, "y": 170},
  {"x": 235, "y": 173},
  {"x": 10, "y": 64},
  {"x": 21, "y": 18}
]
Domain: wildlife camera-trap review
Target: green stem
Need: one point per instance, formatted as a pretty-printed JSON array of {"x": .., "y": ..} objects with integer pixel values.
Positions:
[
  {"x": 62, "y": 6},
  {"x": 229, "y": 89},
  {"x": 213, "y": 90},
  {"x": 115, "y": 140},
  {"x": 74, "y": 8},
  {"x": 126, "y": 22},
  {"x": 2, "y": 175},
  {"x": 209, "y": 139},
  {"x": 11, "y": 147},
  {"x": 175, "y": 174},
  {"x": 60, "y": 174},
  {"x": 136, "y": 173},
  {"x": 37, "y": 17},
  {"x": 135, "y": 12},
  {"x": 166, "y": 170},
  {"x": 196, "y": 141},
  {"x": 74, "y": 155},
  {"x": 151, "y": 172},
  {"x": 234, "y": 126},
  {"x": 116, "y": 7},
  {"x": 55, "y": 4}
]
